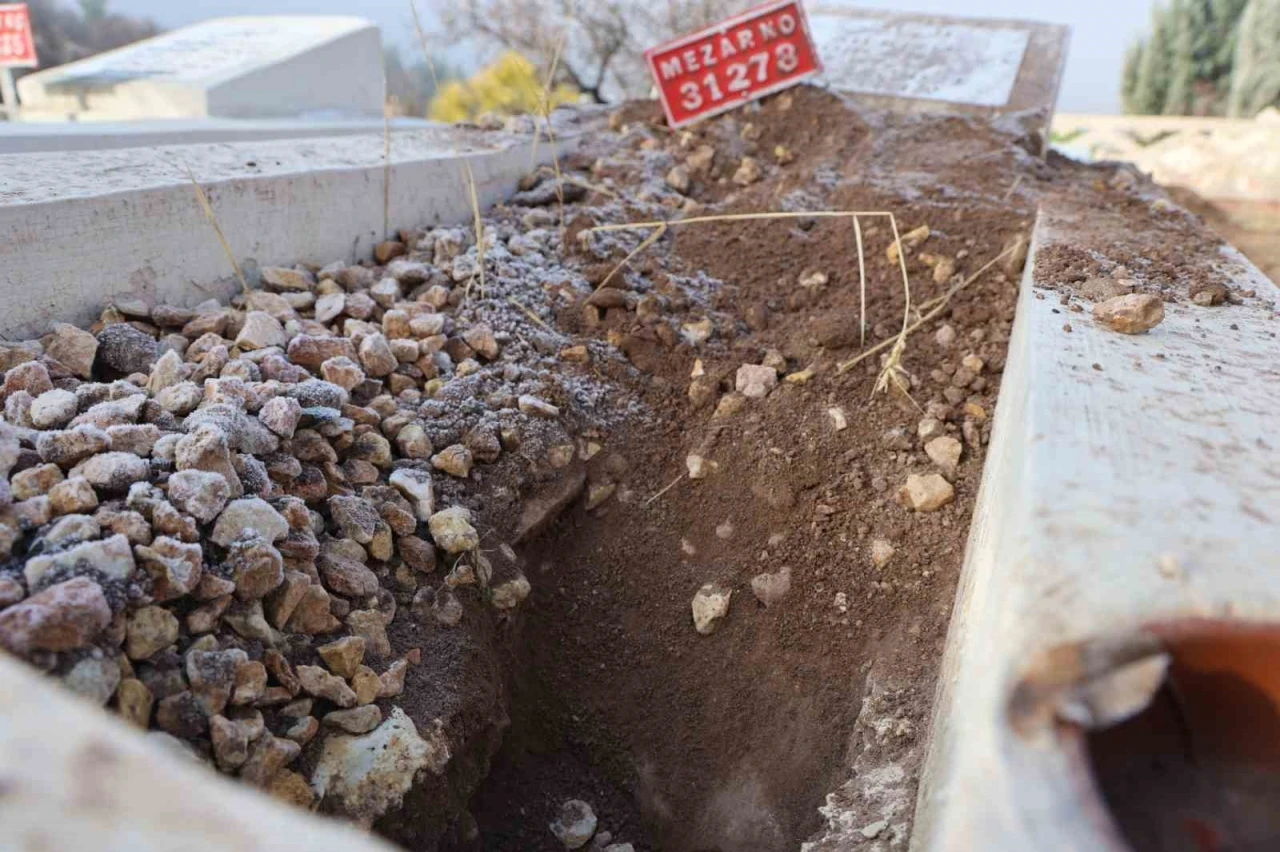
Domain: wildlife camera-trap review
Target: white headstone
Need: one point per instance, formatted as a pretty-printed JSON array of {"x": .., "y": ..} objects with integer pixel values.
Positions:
[
  {"x": 251, "y": 67},
  {"x": 974, "y": 63}
]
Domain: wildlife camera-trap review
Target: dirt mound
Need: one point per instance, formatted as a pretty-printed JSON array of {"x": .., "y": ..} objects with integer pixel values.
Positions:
[{"x": 644, "y": 537}]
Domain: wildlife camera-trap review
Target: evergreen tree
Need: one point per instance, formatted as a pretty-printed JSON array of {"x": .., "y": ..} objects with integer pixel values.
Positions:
[
  {"x": 1180, "y": 95},
  {"x": 1129, "y": 84},
  {"x": 1184, "y": 66},
  {"x": 1151, "y": 89},
  {"x": 1256, "y": 80}
]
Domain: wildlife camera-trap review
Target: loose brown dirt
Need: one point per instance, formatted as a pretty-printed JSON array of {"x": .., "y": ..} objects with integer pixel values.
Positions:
[{"x": 732, "y": 741}]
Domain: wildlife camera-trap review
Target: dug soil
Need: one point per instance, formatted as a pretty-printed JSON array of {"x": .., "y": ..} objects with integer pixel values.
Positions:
[{"x": 820, "y": 699}]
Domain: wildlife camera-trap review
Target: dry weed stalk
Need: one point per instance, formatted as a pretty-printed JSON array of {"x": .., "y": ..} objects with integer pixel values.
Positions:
[
  {"x": 528, "y": 313},
  {"x": 217, "y": 229},
  {"x": 422, "y": 38},
  {"x": 479, "y": 224},
  {"x": 386, "y": 173},
  {"x": 934, "y": 306},
  {"x": 544, "y": 107},
  {"x": 893, "y": 371}
]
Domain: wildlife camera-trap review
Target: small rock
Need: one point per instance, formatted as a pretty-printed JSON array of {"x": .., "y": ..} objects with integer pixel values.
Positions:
[
  {"x": 754, "y": 381},
  {"x": 125, "y": 349},
  {"x": 94, "y": 678},
  {"x": 149, "y": 630},
  {"x": 113, "y": 472},
  {"x": 282, "y": 279},
  {"x": 452, "y": 530},
  {"x": 575, "y": 825},
  {"x": 945, "y": 337},
  {"x": 175, "y": 567},
  {"x": 710, "y": 604},
  {"x": 74, "y": 348},
  {"x": 267, "y": 757},
  {"x": 364, "y": 777},
  {"x": 230, "y": 743},
  {"x": 344, "y": 656},
  {"x": 930, "y": 428},
  {"x": 357, "y": 720},
  {"x": 926, "y": 493},
  {"x": 454, "y": 460},
  {"x": 53, "y": 409},
  {"x": 260, "y": 331},
  {"x": 250, "y": 513},
  {"x": 416, "y": 486},
  {"x": 281, "y": 414},
  {"x": 945, "y": 453},
  {"x": 72, "y": 496},
  {"x": 535, "y": 407},
  {"x": 770, "y": 589},
  {"x": 67, "y": 448},
  {"x": 257, "y": 568},
  {"x": 678, "y": 179},
  {"x": 134, "y": 702},
  {"x": 873, "y": 830},
  {"x": 509, "y": 594},
  {"x": 320, "y": 683},
  {"x": 112, "y": 557},
  {"x": 839, "y": 421},
  {"x": 1136, "y": 313},
  {"x": 63, "y": 617},
  {"x": 480, "y": 337},
  {"x": 376, "y": 356},
  {"x": 199, "y": 493},
  {"x": 700, "y": 467},
  {"x": 881, "y": 552},
  {"x": 748, "y": 172}
]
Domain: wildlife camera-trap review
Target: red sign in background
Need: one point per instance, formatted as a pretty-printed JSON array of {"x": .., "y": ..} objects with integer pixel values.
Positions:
[
  {"x": 17, "y": 47},
  {"x": 747, "y": 57}
]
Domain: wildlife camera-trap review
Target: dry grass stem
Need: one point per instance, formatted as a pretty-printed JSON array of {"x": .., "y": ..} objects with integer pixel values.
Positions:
[
  {"x": 422, "y": 38},
  {"x": 673, "y": 484},
  {"x": 936, "y": 307},
  {"x": 648, "y": 241},
  {"x": 217, "y": 229},
  {"x": 528, "y": 313},
  {"x": 862, "y": 285},
  {"x": 386, "y": 175},
  {"x": 479, "y": 225}
]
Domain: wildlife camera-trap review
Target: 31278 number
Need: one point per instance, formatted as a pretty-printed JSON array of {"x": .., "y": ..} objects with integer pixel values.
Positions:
[{"x": 692, "y": 95}]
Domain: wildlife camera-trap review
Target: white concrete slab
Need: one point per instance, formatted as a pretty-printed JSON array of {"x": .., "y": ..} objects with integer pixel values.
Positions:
[
  {"x": 917, "y": 59},
  {"x": 79, "y": 228},
  {"x": 911, "y": 61},
  {"x": 250, "y": 67},
  {"x": 1131, "y": 483},
  {"x": 25, "y": 137}
]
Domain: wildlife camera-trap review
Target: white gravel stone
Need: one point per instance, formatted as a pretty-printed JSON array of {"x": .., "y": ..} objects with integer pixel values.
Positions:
[{"x": 709, "y": 606}]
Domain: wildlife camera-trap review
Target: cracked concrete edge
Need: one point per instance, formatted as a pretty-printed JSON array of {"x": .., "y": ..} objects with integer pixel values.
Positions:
[
  {"x": 1112, "y": 458},
  {"x": 79, "y": 228},
  {"x": 77, "y": 778}
]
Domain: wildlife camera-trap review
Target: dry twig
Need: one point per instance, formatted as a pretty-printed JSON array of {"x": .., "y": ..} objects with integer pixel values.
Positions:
[{"x": 217, "y": 229}]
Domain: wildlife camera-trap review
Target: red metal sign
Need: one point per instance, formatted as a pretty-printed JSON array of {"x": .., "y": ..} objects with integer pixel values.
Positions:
[
  {"x": 722, "y": 67},
  {"x": 17, "y": 47}
]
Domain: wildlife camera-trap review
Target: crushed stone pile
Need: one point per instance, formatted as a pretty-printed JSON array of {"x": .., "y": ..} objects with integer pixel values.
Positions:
[{"x": 212, "y": 519}]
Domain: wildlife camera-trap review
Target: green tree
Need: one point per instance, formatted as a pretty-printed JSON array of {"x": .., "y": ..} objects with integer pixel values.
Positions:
[
  {"x": 1256, "y": 81},
  {"x": 93, "y": 10},
  {"x": 1184, "y": 66},
  {"x": 1180, "y": 95},
  {"x": 1151, "y": 87}
]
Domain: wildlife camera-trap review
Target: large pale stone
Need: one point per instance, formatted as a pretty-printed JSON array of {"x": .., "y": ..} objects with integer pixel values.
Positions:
[{"x": 364, "y": 777}]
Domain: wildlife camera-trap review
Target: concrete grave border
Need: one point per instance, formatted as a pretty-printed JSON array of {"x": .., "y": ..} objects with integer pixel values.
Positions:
[
  {"x": 1131, "y": 483},
  {"x": 78, "y": 228}
]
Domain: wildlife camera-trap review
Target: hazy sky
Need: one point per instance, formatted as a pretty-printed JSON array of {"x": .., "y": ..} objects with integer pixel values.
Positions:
[{"x": 1100, "y": 29}]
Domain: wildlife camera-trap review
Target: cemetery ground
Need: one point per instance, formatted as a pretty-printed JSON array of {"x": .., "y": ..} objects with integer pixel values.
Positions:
[{"x": 550, "y": 532}]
